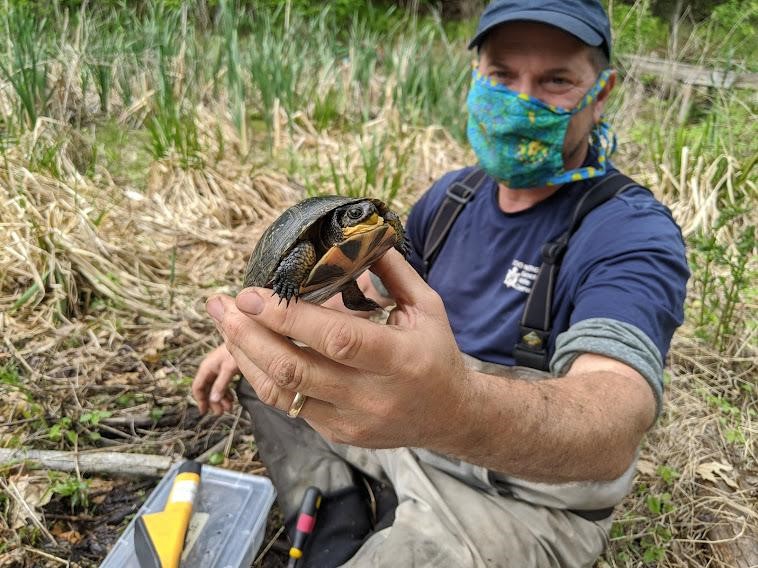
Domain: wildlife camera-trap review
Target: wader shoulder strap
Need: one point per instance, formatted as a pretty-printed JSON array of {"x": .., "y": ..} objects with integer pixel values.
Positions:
[
  {"x": 534, "y": 332},
  {"x": 457, "y": 196}
]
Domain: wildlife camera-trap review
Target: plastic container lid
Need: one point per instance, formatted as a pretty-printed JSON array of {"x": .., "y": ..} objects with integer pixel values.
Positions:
[{"x": 227, "y": 525}]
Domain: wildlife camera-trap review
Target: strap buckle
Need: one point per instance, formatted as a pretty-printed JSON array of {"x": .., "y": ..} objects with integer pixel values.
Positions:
[
  {"x": 553, "y": 251},
  {"x": 531, "y": 349},
  {"x": 463, "y": 197}
]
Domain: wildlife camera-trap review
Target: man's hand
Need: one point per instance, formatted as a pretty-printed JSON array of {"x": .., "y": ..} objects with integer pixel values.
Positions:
[
  {"x": 211, "y": 383},
  {"x": 218, "y": 368},
  {"x": 368, "y": 384}
]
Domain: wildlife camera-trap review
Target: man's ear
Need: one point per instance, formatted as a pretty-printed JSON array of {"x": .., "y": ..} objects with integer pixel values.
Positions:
[{"x": 602, "y": 97}]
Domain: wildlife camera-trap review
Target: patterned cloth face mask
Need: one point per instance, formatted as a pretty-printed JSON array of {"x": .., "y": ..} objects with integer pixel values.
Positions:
[{"x": 519, "y": 139}]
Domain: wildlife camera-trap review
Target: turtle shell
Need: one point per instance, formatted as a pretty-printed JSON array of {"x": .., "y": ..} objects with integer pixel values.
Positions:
[{"x": 336, "y": 266}]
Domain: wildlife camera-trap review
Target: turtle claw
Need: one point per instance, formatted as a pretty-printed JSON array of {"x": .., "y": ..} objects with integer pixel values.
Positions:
[{"x": 285, "y": 290}]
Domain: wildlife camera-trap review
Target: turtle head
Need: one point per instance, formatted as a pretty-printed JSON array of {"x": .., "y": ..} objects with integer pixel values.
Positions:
[
  {"x": 348, "y": 220},
  {"x": 357, "y": 218},
  {"x": 360, "y": 213}
]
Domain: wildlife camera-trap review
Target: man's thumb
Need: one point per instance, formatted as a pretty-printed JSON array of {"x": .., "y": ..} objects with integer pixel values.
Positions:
[{"x": 400, "y": 278}]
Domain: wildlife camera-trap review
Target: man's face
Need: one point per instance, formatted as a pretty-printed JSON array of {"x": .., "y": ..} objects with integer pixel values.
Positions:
[{"x": 551, "y": 65}]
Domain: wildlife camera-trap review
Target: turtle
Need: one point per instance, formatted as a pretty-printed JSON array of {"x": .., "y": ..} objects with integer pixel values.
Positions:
[{"x": 319, "y": 246}]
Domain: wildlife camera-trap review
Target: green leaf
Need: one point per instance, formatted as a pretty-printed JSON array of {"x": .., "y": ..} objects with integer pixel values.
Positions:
[
  {"x": 55, "y": 433},
  {"x": 734, "y": 436},
  {"x": 653, "y": 554},
  {"x": 94, "y": 417},
  {"x": 156, "y": 413},
  {"x": 668, "y": 474}
]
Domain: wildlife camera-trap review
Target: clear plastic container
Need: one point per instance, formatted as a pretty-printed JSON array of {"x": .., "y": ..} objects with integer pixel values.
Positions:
[{"x": 227, "y": 526}]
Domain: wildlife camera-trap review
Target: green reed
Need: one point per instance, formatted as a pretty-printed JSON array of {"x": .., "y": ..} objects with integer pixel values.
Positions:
[{"x": 24, "y": 64}]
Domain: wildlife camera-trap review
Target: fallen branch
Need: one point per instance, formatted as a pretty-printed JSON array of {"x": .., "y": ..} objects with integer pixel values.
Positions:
[
  {"x": 112, "y": 463},
  {"x": 692, "y": 74},
  {"x": 733, "y": 544}
]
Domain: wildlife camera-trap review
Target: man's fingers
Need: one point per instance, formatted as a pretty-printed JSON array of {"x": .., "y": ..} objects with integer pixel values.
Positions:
[
  {"x": 201, "y": 385},
  {"x": 221, "y": 384},
  {"x": 266, "y": 389},
  {"x": 218, "y": 395},
  {"x": 339, "y": 336},
  {"x": 227, "y": 402},
  {"x": 272, "y": 395},
  {"x": 402, "y": 280},
  {"x": 257, "y": 348}
]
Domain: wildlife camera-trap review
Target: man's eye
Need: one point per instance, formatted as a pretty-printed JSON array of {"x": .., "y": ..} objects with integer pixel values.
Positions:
[
  {"x": 495, "y": 72},
  {"x": 501, "y": 76},
  {"x": 559, "y": 81}
]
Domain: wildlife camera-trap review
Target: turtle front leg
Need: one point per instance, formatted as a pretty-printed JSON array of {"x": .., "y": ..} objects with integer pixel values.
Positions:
[
  {"x": 401, "y": 244},
  {"x": 293, "y": 270},
  {"x": 354, "y": 299}
]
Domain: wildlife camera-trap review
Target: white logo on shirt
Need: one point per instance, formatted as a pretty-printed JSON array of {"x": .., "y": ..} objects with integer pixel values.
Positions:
[{"x": 521, "y": 276}]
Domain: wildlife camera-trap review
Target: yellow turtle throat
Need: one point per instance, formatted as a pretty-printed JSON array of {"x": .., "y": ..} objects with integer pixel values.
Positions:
[{"x": 368, "y": 225}]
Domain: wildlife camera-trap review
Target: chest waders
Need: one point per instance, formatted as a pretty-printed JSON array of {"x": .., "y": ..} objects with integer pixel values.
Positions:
[{"x": 531, "y": 349}]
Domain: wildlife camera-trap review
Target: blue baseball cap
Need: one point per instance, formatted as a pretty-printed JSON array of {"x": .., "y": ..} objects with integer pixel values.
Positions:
[{"x": 585, "y": 19}]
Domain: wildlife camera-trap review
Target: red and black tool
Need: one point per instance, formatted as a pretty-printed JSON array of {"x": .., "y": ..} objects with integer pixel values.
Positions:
[{"x": 306, "y": 523}]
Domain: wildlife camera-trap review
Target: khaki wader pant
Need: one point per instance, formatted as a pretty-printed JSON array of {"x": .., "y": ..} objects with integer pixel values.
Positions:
[{"x": 440, "y": 521}]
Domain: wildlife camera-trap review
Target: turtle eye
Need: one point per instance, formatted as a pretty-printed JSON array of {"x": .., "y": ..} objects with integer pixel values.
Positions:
[{"x": 355, "y": 213}]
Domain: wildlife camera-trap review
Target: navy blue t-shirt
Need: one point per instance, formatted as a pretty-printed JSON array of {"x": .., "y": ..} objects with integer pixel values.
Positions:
[{"x": 626, "y": 262}]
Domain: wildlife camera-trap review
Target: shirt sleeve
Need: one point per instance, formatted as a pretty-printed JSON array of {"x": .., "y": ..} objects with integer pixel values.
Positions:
[
  {"x": 635, "y": 269},
  {"x": 617, "y": 340}
]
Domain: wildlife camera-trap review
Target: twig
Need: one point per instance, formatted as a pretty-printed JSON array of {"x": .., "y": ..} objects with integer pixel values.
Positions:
[
  {"x": 32, "y": 373},
  {"x": 720, "y": 541},
  {"x": 228, "y": 447},
  {"x": 11, "y": 489},
  {"x": 268, "y": 546},
  {"x": 217, "y": 447},
  {"x": 49, "y": 556},
  {"x": 116, "y": 432}
]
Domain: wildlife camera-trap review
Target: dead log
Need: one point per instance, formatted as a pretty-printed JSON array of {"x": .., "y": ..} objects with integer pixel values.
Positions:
[
  {"x": 734, "y": 540},
  {"x": 734, "y": 545},
  {"x": 110, "y": 463}
]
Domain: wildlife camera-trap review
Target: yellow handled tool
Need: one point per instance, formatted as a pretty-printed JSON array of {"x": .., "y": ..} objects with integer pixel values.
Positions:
[{"x": 159, "y": 537}]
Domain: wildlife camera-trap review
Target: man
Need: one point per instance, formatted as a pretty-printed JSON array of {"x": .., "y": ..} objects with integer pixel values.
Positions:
[{"x": 490, "y": 467}]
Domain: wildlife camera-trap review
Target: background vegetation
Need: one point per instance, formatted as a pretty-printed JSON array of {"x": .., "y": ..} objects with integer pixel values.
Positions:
[{"x": 145, "y": 145}]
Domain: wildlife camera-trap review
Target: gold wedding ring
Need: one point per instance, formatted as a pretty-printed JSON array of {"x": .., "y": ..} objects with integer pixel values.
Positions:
[{"x": 297, "y": 405}]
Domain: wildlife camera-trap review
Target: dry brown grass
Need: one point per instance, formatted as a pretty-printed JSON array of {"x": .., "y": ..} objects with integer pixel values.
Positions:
[
  {"x": 102, "y": 290},
  {"x": 695, "y": 495}
]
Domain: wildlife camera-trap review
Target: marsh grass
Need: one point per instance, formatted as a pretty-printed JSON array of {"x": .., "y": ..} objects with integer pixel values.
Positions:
[
  {"x": 145, "y": 151},
  {"x": 24, "y": 66}
]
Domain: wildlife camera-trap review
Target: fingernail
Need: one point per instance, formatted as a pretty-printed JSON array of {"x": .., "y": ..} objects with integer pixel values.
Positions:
[
  {"x": 215, "y": 308},
  {"x": 249, "y": 301},
  {"x": 215, "y": 397}
]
